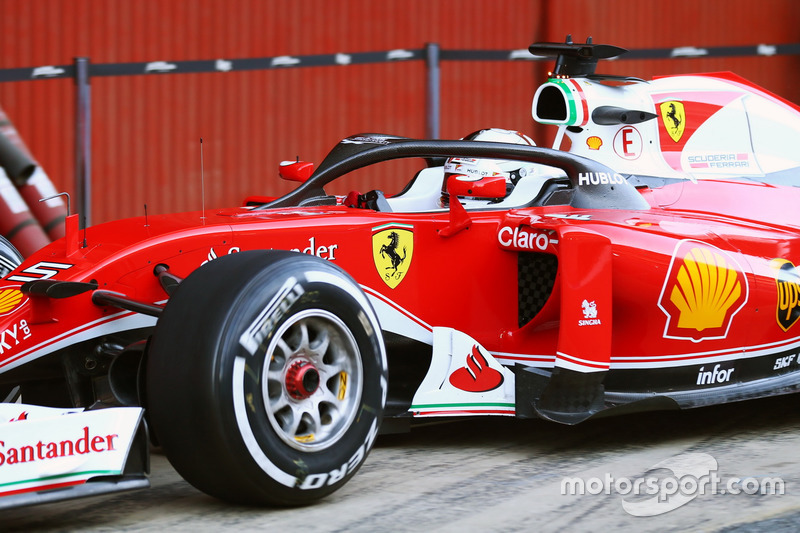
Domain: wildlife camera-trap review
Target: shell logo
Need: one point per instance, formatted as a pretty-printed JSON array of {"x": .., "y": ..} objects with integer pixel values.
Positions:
[
  {"x": 594, "y": 142},
  {"x": 10, "y": 299},
  {"x": 703, "y": 290}
]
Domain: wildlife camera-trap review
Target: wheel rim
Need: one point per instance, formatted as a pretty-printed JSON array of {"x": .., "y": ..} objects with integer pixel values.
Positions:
[{"x": 312, "y": 380}]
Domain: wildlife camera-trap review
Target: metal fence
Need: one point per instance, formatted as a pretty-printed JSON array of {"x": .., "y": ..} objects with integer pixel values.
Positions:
[{"x": 83, "y": 70}]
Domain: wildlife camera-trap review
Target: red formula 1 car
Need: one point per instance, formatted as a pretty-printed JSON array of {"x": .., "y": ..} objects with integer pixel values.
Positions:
[{"x": 649, "y": 267}]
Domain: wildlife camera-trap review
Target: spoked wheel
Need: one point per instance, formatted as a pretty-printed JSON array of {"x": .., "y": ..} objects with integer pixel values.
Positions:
[
  {"x": 266, "y": 378},
  {"x": 312, "y": 384}
]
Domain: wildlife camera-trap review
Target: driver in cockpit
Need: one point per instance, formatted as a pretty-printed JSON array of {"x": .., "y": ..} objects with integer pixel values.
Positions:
[{"x": 486, "y": 179}]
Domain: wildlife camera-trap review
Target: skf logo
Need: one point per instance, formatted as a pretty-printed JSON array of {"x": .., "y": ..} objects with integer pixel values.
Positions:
[
  {"x": 704, "y": 288},
  {"x": 392, "y": 250},
  {"x": 674, "y": 117},
  {"x": 10, "y": 299},
  {"x": 788, "y": 282}
]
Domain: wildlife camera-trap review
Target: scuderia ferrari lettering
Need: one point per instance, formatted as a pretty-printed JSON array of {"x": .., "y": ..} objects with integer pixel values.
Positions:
[
  {"x": 598, "y": 178},
  {"x": 42, "y": 451}
]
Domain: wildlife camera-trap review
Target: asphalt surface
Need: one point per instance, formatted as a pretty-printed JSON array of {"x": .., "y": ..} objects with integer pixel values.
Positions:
[{"x": 507, "y": 475}]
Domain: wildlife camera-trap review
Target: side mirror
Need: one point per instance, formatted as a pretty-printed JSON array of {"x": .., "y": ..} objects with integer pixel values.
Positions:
[
  {"x": 296, "y": 170},
  {"x": 489, "y": 187}
]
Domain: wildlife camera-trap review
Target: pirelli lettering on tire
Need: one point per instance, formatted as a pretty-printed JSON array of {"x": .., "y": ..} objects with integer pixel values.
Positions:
[
  {"x": 599, "y": 178},
  {"x": 315, "y": 481},
  {"x": 288, "y": 294}
]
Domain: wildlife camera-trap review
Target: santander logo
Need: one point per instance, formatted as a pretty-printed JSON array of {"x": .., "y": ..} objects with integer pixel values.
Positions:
[{"x": 477, "y": 376}]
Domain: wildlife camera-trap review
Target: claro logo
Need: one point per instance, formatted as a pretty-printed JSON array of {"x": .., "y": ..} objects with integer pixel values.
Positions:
[
  {"x": 42, "y": 451},
  {"x": 522, "y": 239}
]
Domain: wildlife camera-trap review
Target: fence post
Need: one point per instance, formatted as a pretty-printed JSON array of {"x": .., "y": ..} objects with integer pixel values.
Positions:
[
  {"x": 434, "y": 90},
  {"x": 83, "y": 139}
]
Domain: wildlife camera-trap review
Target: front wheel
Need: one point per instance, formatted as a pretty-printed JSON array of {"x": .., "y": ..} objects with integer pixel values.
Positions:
[{"x": 266, "y": 378}]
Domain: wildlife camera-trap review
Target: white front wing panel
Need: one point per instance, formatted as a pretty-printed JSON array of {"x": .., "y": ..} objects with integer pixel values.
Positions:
[{"x": 43, "y": 448}]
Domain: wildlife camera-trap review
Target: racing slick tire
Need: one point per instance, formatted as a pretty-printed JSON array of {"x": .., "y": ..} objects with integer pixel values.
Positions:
[{"x": 266, "y": 378}]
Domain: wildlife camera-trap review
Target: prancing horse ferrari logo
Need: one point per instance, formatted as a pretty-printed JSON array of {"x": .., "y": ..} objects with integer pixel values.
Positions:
[
  {"x": 392, "y": 249},
  {"x": 674, "y": 117}
]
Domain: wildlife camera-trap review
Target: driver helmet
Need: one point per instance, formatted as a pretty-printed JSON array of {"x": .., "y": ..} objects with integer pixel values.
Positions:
[{"x": 483, "y": 171}]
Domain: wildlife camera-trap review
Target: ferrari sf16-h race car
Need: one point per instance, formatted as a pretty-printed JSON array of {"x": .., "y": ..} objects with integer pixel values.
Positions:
[{"x": 649, "y": 267}]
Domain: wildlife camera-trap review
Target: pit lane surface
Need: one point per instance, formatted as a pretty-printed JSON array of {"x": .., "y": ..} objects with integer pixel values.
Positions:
[{"x": 496, "y": 475}]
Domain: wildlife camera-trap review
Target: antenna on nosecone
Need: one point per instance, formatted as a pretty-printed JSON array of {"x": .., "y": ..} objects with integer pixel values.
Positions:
[
  {"x": 202, "y": 181},
  {"x": 67, "y": 224}
]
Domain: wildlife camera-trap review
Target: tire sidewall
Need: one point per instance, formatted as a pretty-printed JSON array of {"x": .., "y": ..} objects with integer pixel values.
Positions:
[
  {"x": 228, "y": 448},
  {"x": 329, "y": 468}
]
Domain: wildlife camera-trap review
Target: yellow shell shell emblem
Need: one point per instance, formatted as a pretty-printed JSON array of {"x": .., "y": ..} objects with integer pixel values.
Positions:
[
  {"x": 707, "y": 287},
  {"x": 594, "y": 142},
  {"x": 9, "y": 300},
  {"x": 674, "y": 116},
  {"x": 392, "y": 250},
  {"x": 703, "y": 290}
]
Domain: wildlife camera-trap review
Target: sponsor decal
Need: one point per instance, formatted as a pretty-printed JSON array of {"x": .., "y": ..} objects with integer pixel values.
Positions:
[
  {"x": 599, "y": 178},
  {"x": 589, "y": 314},
  {"x": 783, "y": 362},
  {"x": 45, "y": 450},
  {"x": 22, "y": 416},
  {"x": 392, "y": 251},
  {"x": 628, "y": 143},
  {"x": 322, "y": 251},
  {"x": 41, "y": 270},
  {"x": 594, "y": 142},
  {"x": 265, "y": 322},
  {"x": 212, "y": 254},
  {"x": 10, "y": 299},
  {"x": 571, "y": 216},
  {"x": 674, "y": 117},
  {"x": 787, "y": 279},
  {"x": 11, "y": 337},
  {"x": 714, "y": 376},
  {"x": 703, "y": 290},
  {"x": 719, "y": 160},
  {"x": 477, "y": 375},
  {"x": 373, "y": 139},
  {"x": 522, "y": 239}
]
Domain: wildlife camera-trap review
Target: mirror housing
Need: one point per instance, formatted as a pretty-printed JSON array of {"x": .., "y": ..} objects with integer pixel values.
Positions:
[
  {"x": 298, "y": 170},
  {"x": 486, "y": 188}
]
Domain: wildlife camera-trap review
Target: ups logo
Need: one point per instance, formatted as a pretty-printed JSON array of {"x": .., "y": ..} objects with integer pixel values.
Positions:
[{"x": 788, "y": 281}]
